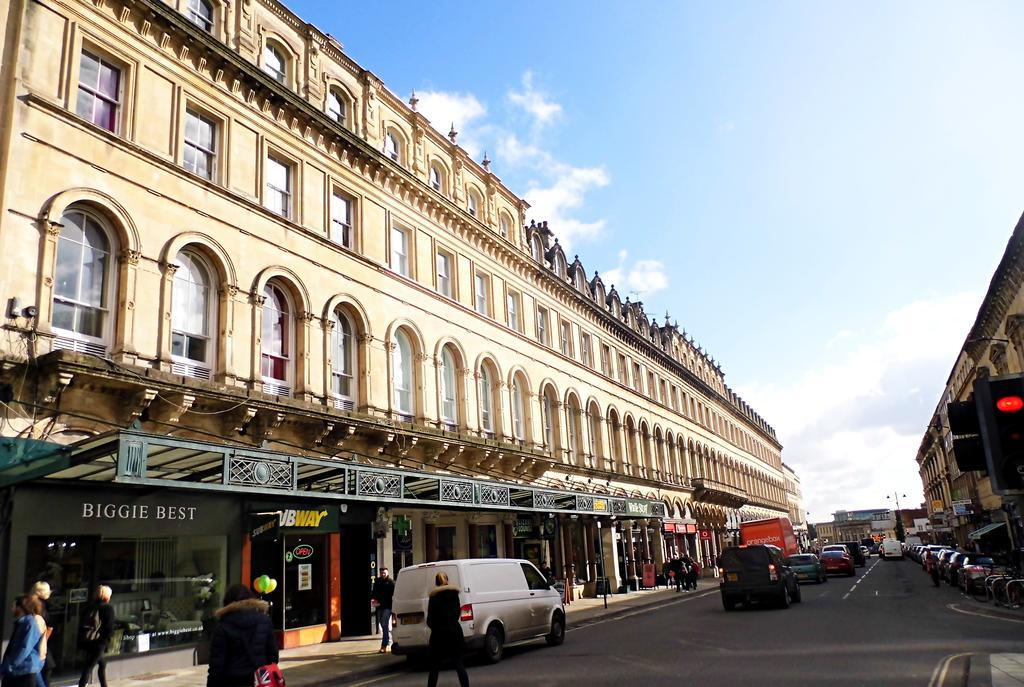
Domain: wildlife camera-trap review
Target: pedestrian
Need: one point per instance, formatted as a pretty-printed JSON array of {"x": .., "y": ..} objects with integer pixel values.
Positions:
[
  {"x": 693, "y": 574},
  {"x": 443, "y": 611},
  {"x": 933, "y": 568},
  {"x": 545, "y": 570},
  {"x": 242, "y": 641},
  {"x": 22, "y": 660},
  {"x": 94, "y": 634},
  {"x": 678, "y": 573},
  {"x": 41, "y": 591},
  {"x": 380, "y": 596}
]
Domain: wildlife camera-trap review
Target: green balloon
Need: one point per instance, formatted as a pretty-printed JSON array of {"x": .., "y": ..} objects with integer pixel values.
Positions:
[{"x": 261, "y": 583}]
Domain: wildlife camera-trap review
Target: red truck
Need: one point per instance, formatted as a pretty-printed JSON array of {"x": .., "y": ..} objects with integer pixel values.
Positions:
[{"x": 775, "y": 531}]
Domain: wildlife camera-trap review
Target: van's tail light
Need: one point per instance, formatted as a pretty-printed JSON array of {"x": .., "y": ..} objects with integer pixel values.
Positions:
[
  {"x": 773, "y": 574},
  {"x": 466, "y": 613},
  {"x": 721, "y": 572},
  {"x": 394, "y": 618}
]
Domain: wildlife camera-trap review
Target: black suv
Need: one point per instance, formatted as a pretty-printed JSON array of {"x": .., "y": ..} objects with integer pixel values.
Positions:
[{"x": 757, "y": 573}]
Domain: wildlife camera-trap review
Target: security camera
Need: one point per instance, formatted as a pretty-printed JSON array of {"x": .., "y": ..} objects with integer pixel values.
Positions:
[{"x": 30, "y": 311}]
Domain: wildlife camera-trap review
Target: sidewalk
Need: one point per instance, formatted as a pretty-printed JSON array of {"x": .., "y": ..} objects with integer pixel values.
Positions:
[
  {"x": 321, "y": 665},
  {"x": 990, "y": 670}
]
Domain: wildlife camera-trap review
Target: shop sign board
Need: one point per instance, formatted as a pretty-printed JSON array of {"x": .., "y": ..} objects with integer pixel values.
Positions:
[
  {"x": 524, "y": 527},
  {"x": 637, "y": 507},
  {"x": 649, "y": 578},
  {"x": 600, "y": 505},
  {"x": 323, "y": 519},
  {"x": 705, "y": 535},
  {"x": 962, "y": 508},
  {"x": 669, "y": 527},
  {"x": 302, "y": 551},
  {"x": 937, "y": 505},
  {"x": 264, "y": 526}
]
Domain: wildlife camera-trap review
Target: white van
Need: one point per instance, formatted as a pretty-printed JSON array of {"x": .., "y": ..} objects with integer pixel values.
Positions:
[
  {"x": 503, "y": 601},
  {"x": 890, "y": 548}
]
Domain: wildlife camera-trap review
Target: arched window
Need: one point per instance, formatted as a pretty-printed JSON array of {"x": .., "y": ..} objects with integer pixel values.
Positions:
[
  {"x": 278, "y": 341},
  {"x": 336, "y": 108},
  {"x": 473, "y": 203},
  {"x": 449, "y": 390},
  {"x": 485, "y": 392},
  {"x": 200, "y": 13},
  {"x": 274, "y": 63},
  {"x": 436, "y": 178},
  {"x": 615, "y": 439},
  {"x": 519, "y": 422},
  {"x": 550, "y": 419},
  {"x": 573, "y": 430},
  {"x": 343, "y": 361},
  {"x": 391, "y": 147},
  {"x": 594, "y": 439},
  {"x": 192, "y": 317},
  {"x": 402, "y": 374},
  {"x": 537, "y": 249},
  {"x": 504, "y": 226},
  {"x": 82, "y": 290}
]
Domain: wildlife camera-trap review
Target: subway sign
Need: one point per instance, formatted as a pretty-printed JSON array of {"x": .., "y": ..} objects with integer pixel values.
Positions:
[{"x": 637, "y": 507}]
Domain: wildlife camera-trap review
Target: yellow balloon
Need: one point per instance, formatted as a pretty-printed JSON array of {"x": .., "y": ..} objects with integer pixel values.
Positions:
[{"x": 271, "y": 586}]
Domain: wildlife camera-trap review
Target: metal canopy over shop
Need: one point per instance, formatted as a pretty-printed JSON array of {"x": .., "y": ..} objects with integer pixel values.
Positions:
[
  {"x": 987, "y": 529},
  {"x": 133, "y": 457}
]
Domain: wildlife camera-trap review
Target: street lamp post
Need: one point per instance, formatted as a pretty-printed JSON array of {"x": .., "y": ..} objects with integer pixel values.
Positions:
[{"x": 900, "y": 532}]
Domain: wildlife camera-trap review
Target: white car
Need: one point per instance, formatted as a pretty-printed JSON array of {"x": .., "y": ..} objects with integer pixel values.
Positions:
[
  {"x": 890, "y": 548},
  {"x": 503, "y": 601}
]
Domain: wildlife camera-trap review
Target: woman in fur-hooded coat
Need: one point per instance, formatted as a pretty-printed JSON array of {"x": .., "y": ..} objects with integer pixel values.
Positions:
[
  {"x": 443, "y": 611},
  {"x": 242, "y": 641}
]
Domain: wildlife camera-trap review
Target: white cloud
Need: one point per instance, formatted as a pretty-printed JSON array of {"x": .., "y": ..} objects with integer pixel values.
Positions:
[
  {"x": 463, "y": 109},
  {"x": 556, "y": 191},
  {"x": 640, "y": 280},
  {"x": 851, "y": 426},
  {"x": 564, "y": 193},
  {"x": 534, "y": 103}
]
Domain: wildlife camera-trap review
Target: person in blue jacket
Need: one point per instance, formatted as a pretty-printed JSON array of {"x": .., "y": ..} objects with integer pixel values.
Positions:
[{"x": 22, "y": 662}]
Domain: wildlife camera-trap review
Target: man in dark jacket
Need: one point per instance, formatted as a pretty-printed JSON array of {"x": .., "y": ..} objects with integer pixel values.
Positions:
[
  {"x": 443, "y": 611},
  {"x": 94, "y": 634},
  {"x": 242, "y": 641},
  {"x": 381, "y": 594}
]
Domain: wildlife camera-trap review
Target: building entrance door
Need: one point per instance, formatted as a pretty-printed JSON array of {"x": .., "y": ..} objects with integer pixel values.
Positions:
[{"x": 68, "y": 564}]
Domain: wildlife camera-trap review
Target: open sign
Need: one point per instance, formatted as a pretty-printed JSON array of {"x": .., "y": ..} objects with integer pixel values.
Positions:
[{"x": 302, "y": 551}]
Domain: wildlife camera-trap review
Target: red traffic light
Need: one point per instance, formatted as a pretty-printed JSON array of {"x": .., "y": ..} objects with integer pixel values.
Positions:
[{"x": 1010, "y": 404}]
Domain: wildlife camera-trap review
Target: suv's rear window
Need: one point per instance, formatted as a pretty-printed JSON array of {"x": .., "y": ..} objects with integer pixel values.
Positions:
[
  {"x": 748, "y": 558},
  {"x": 803, "y": 559}
]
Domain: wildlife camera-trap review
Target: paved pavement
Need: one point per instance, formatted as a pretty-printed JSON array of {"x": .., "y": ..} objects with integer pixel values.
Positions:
[{"x": 343, "y": 662}]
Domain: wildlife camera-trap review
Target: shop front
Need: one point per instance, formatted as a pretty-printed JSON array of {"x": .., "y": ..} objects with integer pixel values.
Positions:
[
  {"x": 167, "y": 557},
  {"x": 320, "y": 557}
]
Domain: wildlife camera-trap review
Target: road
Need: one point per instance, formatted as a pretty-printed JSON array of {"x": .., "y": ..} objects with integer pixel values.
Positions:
[{"x": 887, "y": 626}]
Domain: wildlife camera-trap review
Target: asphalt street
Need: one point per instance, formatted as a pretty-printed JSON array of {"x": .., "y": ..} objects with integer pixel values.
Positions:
[{"x": 886, "y": 626}]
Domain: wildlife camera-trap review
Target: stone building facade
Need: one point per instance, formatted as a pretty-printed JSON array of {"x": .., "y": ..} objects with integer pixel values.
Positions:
[
  {"x": 247, "y": 279},
  {"x": 962, "y": 507}
]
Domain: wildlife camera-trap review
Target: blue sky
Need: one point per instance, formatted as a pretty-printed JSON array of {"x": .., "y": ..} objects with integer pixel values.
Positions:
[{"x": 818, "y": 192}]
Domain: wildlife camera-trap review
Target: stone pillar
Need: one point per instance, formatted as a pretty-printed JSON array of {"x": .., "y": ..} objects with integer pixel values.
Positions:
[
  {"x": 645, "y": 540},
  {"x": 474, "y": 538},
  {"x": 659, "y": 545},
  {"x": 589, "y": 530},
  {"x": 611, "y": 555},
  {"x": 510, "y": 540},
  {"x": 627, "y": 531}
]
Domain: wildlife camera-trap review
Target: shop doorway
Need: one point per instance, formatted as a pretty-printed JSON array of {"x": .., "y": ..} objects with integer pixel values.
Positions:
[
  {"x": 305, "y": 580},
  {"x": 69, "y": 566},
  {"x": 355, "y": 571}
]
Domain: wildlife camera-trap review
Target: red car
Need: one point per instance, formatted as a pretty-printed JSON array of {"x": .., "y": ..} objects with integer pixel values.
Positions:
[{"x": 837, "y": 563}]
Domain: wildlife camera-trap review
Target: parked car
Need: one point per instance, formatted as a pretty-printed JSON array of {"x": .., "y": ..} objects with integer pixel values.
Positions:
[
  {"x": 756, "y": 573},
  {"x": 976, "y": 568},
  {"x": 503, "y": 601},
  {"x": 838, "y": 563},
  {"x": 943, "y": 562},
  {"x": 807, "y": 566},
  {"x": 891, "y": 549}
]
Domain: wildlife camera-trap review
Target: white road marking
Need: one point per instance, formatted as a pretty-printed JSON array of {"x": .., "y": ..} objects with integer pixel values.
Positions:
[
  {"x": 862, "y": 578},
  {"x": 641, "y": 609},
  {"x": 954, "y": 607},
  {"x": 846, "y": 595}
]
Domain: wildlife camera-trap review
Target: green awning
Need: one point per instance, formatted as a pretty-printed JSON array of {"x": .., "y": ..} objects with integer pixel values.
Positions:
[
  {"x": 26, "y": 459},
  {"x": 987, "y": 529}
]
